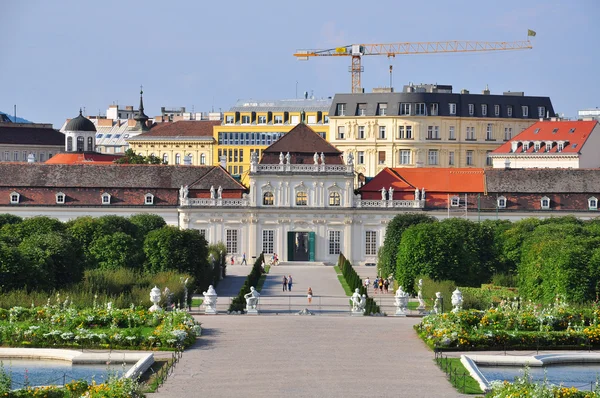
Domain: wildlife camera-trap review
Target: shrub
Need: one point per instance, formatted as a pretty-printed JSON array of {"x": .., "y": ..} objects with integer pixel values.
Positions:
[
  {"x": 431, "y": 287},
  {"x": 239, "y": 302}
]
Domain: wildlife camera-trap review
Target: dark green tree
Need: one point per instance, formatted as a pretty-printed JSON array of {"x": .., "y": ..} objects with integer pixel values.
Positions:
[
  {"x": 117, "y": 250},
  {"x": 14, "y": 268},
  {"x": 133, "y": 158},
  {"x": 83, "y": 230},
  {"x": 9, "y": 219},
  {"x": 146, "y": 223}
]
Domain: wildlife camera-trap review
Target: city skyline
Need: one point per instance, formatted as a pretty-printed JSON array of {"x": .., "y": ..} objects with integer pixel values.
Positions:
[{"x": 60, "y": 57}]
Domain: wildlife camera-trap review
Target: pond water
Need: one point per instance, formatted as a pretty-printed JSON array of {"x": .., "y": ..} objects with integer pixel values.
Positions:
[
  {"x": 571, "y": 375},
  {"x": 43, "y": 373}
]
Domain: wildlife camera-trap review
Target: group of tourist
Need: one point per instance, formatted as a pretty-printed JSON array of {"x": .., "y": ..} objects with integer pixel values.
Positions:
[{"x": 379, "y": 283}]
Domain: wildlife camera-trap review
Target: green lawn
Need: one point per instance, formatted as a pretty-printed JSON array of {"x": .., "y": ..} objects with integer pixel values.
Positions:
[
  {"x": 197, "y": 302},
  {"x": 460, "y": 377},
  {"x": 340, "y": 277}
]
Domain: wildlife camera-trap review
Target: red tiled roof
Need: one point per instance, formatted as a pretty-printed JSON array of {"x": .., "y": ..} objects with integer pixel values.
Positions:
[
  {"x": 182, "y": 128},
  {"x": 432, "y": 179},
  {"x": 573, "y": 133},
  {"x": 83, "y": 158}
]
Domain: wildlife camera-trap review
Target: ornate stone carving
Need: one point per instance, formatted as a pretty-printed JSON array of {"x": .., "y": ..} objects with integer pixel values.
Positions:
[{"x": 210, "y": 300}]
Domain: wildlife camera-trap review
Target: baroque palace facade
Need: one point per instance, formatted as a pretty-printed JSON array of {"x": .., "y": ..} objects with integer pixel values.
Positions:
[{"x": 429, "y": 126}]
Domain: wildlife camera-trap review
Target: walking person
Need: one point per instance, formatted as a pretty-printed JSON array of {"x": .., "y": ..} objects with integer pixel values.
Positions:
[
  {"x": 309, "y": 295},
  {"x": 232, "y": 260},
  {"x": 386, "y": 285},
  {"x": 289, "y": 283},
  {"x": 244, "y": 262},
  {"x": 375, "y": 284},
  {"x": 284, "y": 283},
  {"x": 381, "y": 285},
  {"x": 367, "y": 283}
]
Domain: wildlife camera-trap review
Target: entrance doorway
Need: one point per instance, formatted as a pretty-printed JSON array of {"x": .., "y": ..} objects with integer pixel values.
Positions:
[{"x": 301, "y": 246}]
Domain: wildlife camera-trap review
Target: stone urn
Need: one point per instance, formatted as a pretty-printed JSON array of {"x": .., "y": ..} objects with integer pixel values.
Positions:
[
  {"x": 457, "y": 300},
  {"x": 155, "y": 299},
  {"x": 210, "y": 300},
  {"x": 401, "y": 302}
]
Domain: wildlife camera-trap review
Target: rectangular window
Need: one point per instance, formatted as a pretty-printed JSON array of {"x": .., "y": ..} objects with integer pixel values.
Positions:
[
  {"x": 400, "y": 132},
  {"x": 509, "y": 110},
  {"x": 488, "y": 158},
  {"x": 420, "y": 109},
  {"x": 16, "y": 156},
  {"x": 405, "y": 109},
  {"x": 489, "y": 132},
  {"x": 382, "y": 132},
  {"x": 471, "y": 109},
  {"x": 204, "y": 234},
  {"x": 241, "y": 155},
  {"x": 409, "y": 135},
  {"x": 451, "y": 158},
  {"x": 231, "y": 240},
  {"x": 483, "y": 110},
  {"x": 235, "y": 169},
  {"x": 452, "y": 108},
  {"x": 42, "y": 157},
  {"x": 341, "y": 133},
  {"x": 335, "y": 238},
  {"x": 371, "y": 243},
  {"x": 229, "y": 119},
  {"x": 278, "y": 119},
  {"x": 6, "y": 156},
  {"x": 24, "y": 156},
  {"x": 451, "y": 133},
  {"x": 525, "y": 111},
  {"x": 325, "y": 119},
  {"x": 241, "y": 169},
  {"x": 295, "y": 119},
  {"x": 262, "y": 120},
  {"x": 541, "y": 111},
  {"x": 469, "y": 158},
  {"x": 245, "y": 119},
  {"x": 361, "y": 132},
  {"x": 381, "y": 109},
  {"x": 405, "y": 156},
  {"x": 381, "y": 157},
  {"x": 235, "y": 155},
  {"x": 496, "y": 110},
  {"x": 230, "y": 155},
  {"x": 267, "y": 241},
  {"x": 433, "y": 132},
  {"x": 341, "y": 110},
  {"x": 432, "y": 157},
  {"x": 361, "y": 110},
  {"x": 360, "y": 158},
  {"x": 560, "y": 146},
  {"x": 471, "y": 133},
  {"x": 507, "y": 133},
  {"x": 434, "y": 109}
]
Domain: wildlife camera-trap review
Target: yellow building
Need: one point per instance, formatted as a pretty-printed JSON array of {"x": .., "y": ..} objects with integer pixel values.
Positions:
[
  {"x": 174, "y": 141},
  {"x": 428, "y": 126},
  {"x": 252, "y": 125}
]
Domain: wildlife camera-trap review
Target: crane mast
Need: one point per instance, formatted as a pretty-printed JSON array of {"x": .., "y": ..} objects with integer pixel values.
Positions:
[{"x": 357, "y": 51}]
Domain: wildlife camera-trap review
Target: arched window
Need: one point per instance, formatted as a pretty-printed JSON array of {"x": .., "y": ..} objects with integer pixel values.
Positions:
[
  {"x": 335, "y": 199},
  {"x": 177, "y": 158},
  {"x": 501, "y": 202},
  {"x": 90, "y": 145},
  {"x": 69, "y": 144},
  {"x": 190, "y": 158},
  {"x": 165, "y": 158},
  {"x": 80, "y": 142},
  {"x": 268, "y": 199},
  {"x": 202, "y": 158},
  {"x": 301, "y": 199}
]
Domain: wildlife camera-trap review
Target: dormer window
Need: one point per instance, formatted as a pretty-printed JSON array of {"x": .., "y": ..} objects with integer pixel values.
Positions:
[
  {"x": 148, "y": 199},
  {"x": 554, "y": 131},
  {"x": 455, "y": 201},
  {"x": 60, "y": 198},
  {"x": 14, "y": 198},
  {"x": 593, "y": 203},
  {"x": 525, "y": 146},
  {"x": 536, "y": 147},
  {"x": 105, "y": 198},
  {"x": 501, "y": 201},
  {"x": 545, "y": 203},
  {"x": 560, "y": 146},
  {"x": 572, "y": 130}
]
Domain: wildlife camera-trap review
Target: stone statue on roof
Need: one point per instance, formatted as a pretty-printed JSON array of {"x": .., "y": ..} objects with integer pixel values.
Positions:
[
  {"x": 281, "y": 157},
  {"x": 212, "y": 191},
  {"x": 288, "y": 158},
  {"x": 350, "y": 159},
  {"x": 322, "y": 158},
  {"x": 391, "y": 194},
  {"x": 423, "y": 193},
  {"x": 417, "y": 193},
  {"x": 383, "y": 193},
  {"x": 316, "y": 158},
  {"x": 220, "y": 192},
  {"x": 183, "y": 192}
]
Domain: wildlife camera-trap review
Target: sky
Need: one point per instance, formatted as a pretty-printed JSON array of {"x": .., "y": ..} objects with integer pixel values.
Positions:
[{"x": 58, "y": 56}]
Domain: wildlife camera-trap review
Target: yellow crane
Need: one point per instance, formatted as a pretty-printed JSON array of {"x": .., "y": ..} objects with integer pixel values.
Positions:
[{"x": 357, "y": 51}]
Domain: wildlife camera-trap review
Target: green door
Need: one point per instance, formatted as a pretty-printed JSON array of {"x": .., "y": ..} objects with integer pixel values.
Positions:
[
  {"x": 290, "y": 246},
  {"x": 311, "y": 246}
]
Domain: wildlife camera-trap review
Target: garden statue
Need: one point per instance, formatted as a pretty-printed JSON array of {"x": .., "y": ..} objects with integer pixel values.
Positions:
[
  {"x": 155, "y": 299},
  {"x": 220, "y": 192},
  {"x": 316, "y": 158},
  {"x": 363, "y": 303},
  {"x": 355, "y": 299},
  {"x": 421, "y": 307},
  {"x": 212, "y": 191},
  {"x": 210, "y": 301},
  {"x": 184, "y": 282},
  {"x": 416, "y": 193},
  {"x": 401, "y": 301},
  {"x": 168, "y": 299},
  {"x": 322, "y": 159},
  {"x": 252, "y": 301},
  {"x": 457, "y": 300},
  {"x": 437, "y": 305},
  {"x": 281, "y": 157}
]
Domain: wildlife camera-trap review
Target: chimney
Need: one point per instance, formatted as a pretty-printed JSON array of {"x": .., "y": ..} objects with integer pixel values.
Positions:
[{"x": 223, "y": 161}]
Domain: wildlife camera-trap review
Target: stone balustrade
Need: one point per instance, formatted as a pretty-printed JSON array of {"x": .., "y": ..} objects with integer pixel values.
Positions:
[
  {"x": 302, "y": 168},
  {"x": 358, "y": 203}
]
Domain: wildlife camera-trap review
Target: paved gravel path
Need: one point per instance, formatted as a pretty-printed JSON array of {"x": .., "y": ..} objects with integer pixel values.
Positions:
[{"x": 307, "y": 356}]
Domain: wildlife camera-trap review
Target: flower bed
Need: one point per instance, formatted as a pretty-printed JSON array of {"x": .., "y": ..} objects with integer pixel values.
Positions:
[
  {"x": 513, "y": 325},
  {"x": 55, "y": 326}
]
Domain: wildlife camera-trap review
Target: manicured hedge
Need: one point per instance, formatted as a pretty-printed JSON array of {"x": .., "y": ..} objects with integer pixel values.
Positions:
[
  {"x": 239, "y": 302},
  {"x": 354, "y": 281}
]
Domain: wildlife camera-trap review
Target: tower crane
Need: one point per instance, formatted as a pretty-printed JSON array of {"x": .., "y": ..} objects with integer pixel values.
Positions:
[{"x": 357, "y": 51}]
